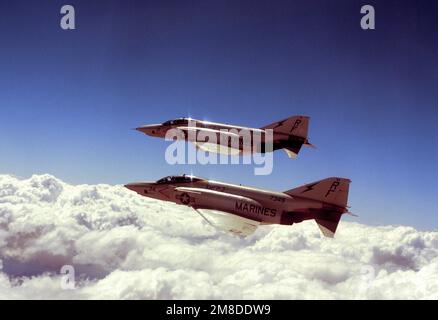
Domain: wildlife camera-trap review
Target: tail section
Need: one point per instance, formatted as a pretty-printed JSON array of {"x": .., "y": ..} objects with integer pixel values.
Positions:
[
  {"x": 332, "y": 191},
  {"x": 291, "y": 134}
]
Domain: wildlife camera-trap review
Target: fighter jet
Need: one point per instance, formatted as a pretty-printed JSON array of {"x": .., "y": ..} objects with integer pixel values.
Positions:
[
  {"x": 289, "y": 134},
  {"x": 240, "y": 210}
]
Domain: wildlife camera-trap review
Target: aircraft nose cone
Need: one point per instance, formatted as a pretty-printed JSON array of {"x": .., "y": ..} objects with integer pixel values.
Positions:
[
  {"x": 139, "y": 187},
  {"x": 131, "y": 186},
  {"x": 150, "y": 130}
]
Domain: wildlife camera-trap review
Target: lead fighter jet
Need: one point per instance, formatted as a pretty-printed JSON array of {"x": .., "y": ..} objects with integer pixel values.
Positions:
[
  {"x": 289, "y": 134},
  {"x": 241, "y": 210}
]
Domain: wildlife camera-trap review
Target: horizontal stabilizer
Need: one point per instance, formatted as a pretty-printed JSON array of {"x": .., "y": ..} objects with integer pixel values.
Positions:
[
  {"x": 308, "y": 144},
  {"x": 329, "y": 225}
]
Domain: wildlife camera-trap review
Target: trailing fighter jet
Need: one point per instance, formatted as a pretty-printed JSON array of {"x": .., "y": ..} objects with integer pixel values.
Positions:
[
  {"x": 289, "y": 134},
  {"x": 241, "y": 210}
]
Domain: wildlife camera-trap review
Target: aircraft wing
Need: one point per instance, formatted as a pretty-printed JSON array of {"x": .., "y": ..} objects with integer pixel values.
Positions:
[
  {"x": 209, "y": 131},
  {"x": 216, "y": 148},
  {"x": 219, "y": 219},
  {"x": 229, "y": 222},
  {"x": 213, "y": 194}
]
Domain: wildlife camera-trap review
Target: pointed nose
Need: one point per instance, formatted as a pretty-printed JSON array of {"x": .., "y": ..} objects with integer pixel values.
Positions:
[
  {"x": 139, "y": 187},
  {"x": 150, "y": 130},
  {"x": 131, "y": 186}
]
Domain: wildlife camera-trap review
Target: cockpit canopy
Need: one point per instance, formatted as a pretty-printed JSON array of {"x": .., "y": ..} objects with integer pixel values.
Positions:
[
  {"x": 185, "y": 178},
  {"x": 180, "y": 121}
]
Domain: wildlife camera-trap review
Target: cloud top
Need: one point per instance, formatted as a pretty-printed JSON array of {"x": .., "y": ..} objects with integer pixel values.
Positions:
[{"x": 124, "y": 246}]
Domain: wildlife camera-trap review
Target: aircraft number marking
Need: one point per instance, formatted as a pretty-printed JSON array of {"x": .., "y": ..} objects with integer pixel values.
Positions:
[
  {"x": 332, "y": 188},
  {"x": 276, "y": 198},
  {"x": 296, "y": 124}
]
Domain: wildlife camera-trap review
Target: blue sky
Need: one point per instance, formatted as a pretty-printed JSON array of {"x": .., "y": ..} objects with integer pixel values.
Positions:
[{"x": 69, "y": 99}]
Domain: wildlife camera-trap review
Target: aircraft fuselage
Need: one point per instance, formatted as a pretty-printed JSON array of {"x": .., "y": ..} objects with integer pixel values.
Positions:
[{"x": 266, "y": 207}]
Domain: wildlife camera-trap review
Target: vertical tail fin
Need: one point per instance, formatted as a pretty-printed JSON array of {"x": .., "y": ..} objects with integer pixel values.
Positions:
[
  {"x": 297, "y": 126},
  {"x": 331, "y": 191}
]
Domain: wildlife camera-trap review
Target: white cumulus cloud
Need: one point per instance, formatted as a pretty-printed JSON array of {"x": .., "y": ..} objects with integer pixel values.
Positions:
[{"x": 124, "y": 246}]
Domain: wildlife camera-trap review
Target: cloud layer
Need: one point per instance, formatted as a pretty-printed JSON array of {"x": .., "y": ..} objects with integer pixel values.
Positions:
[{"x": 124, "y": 246}]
